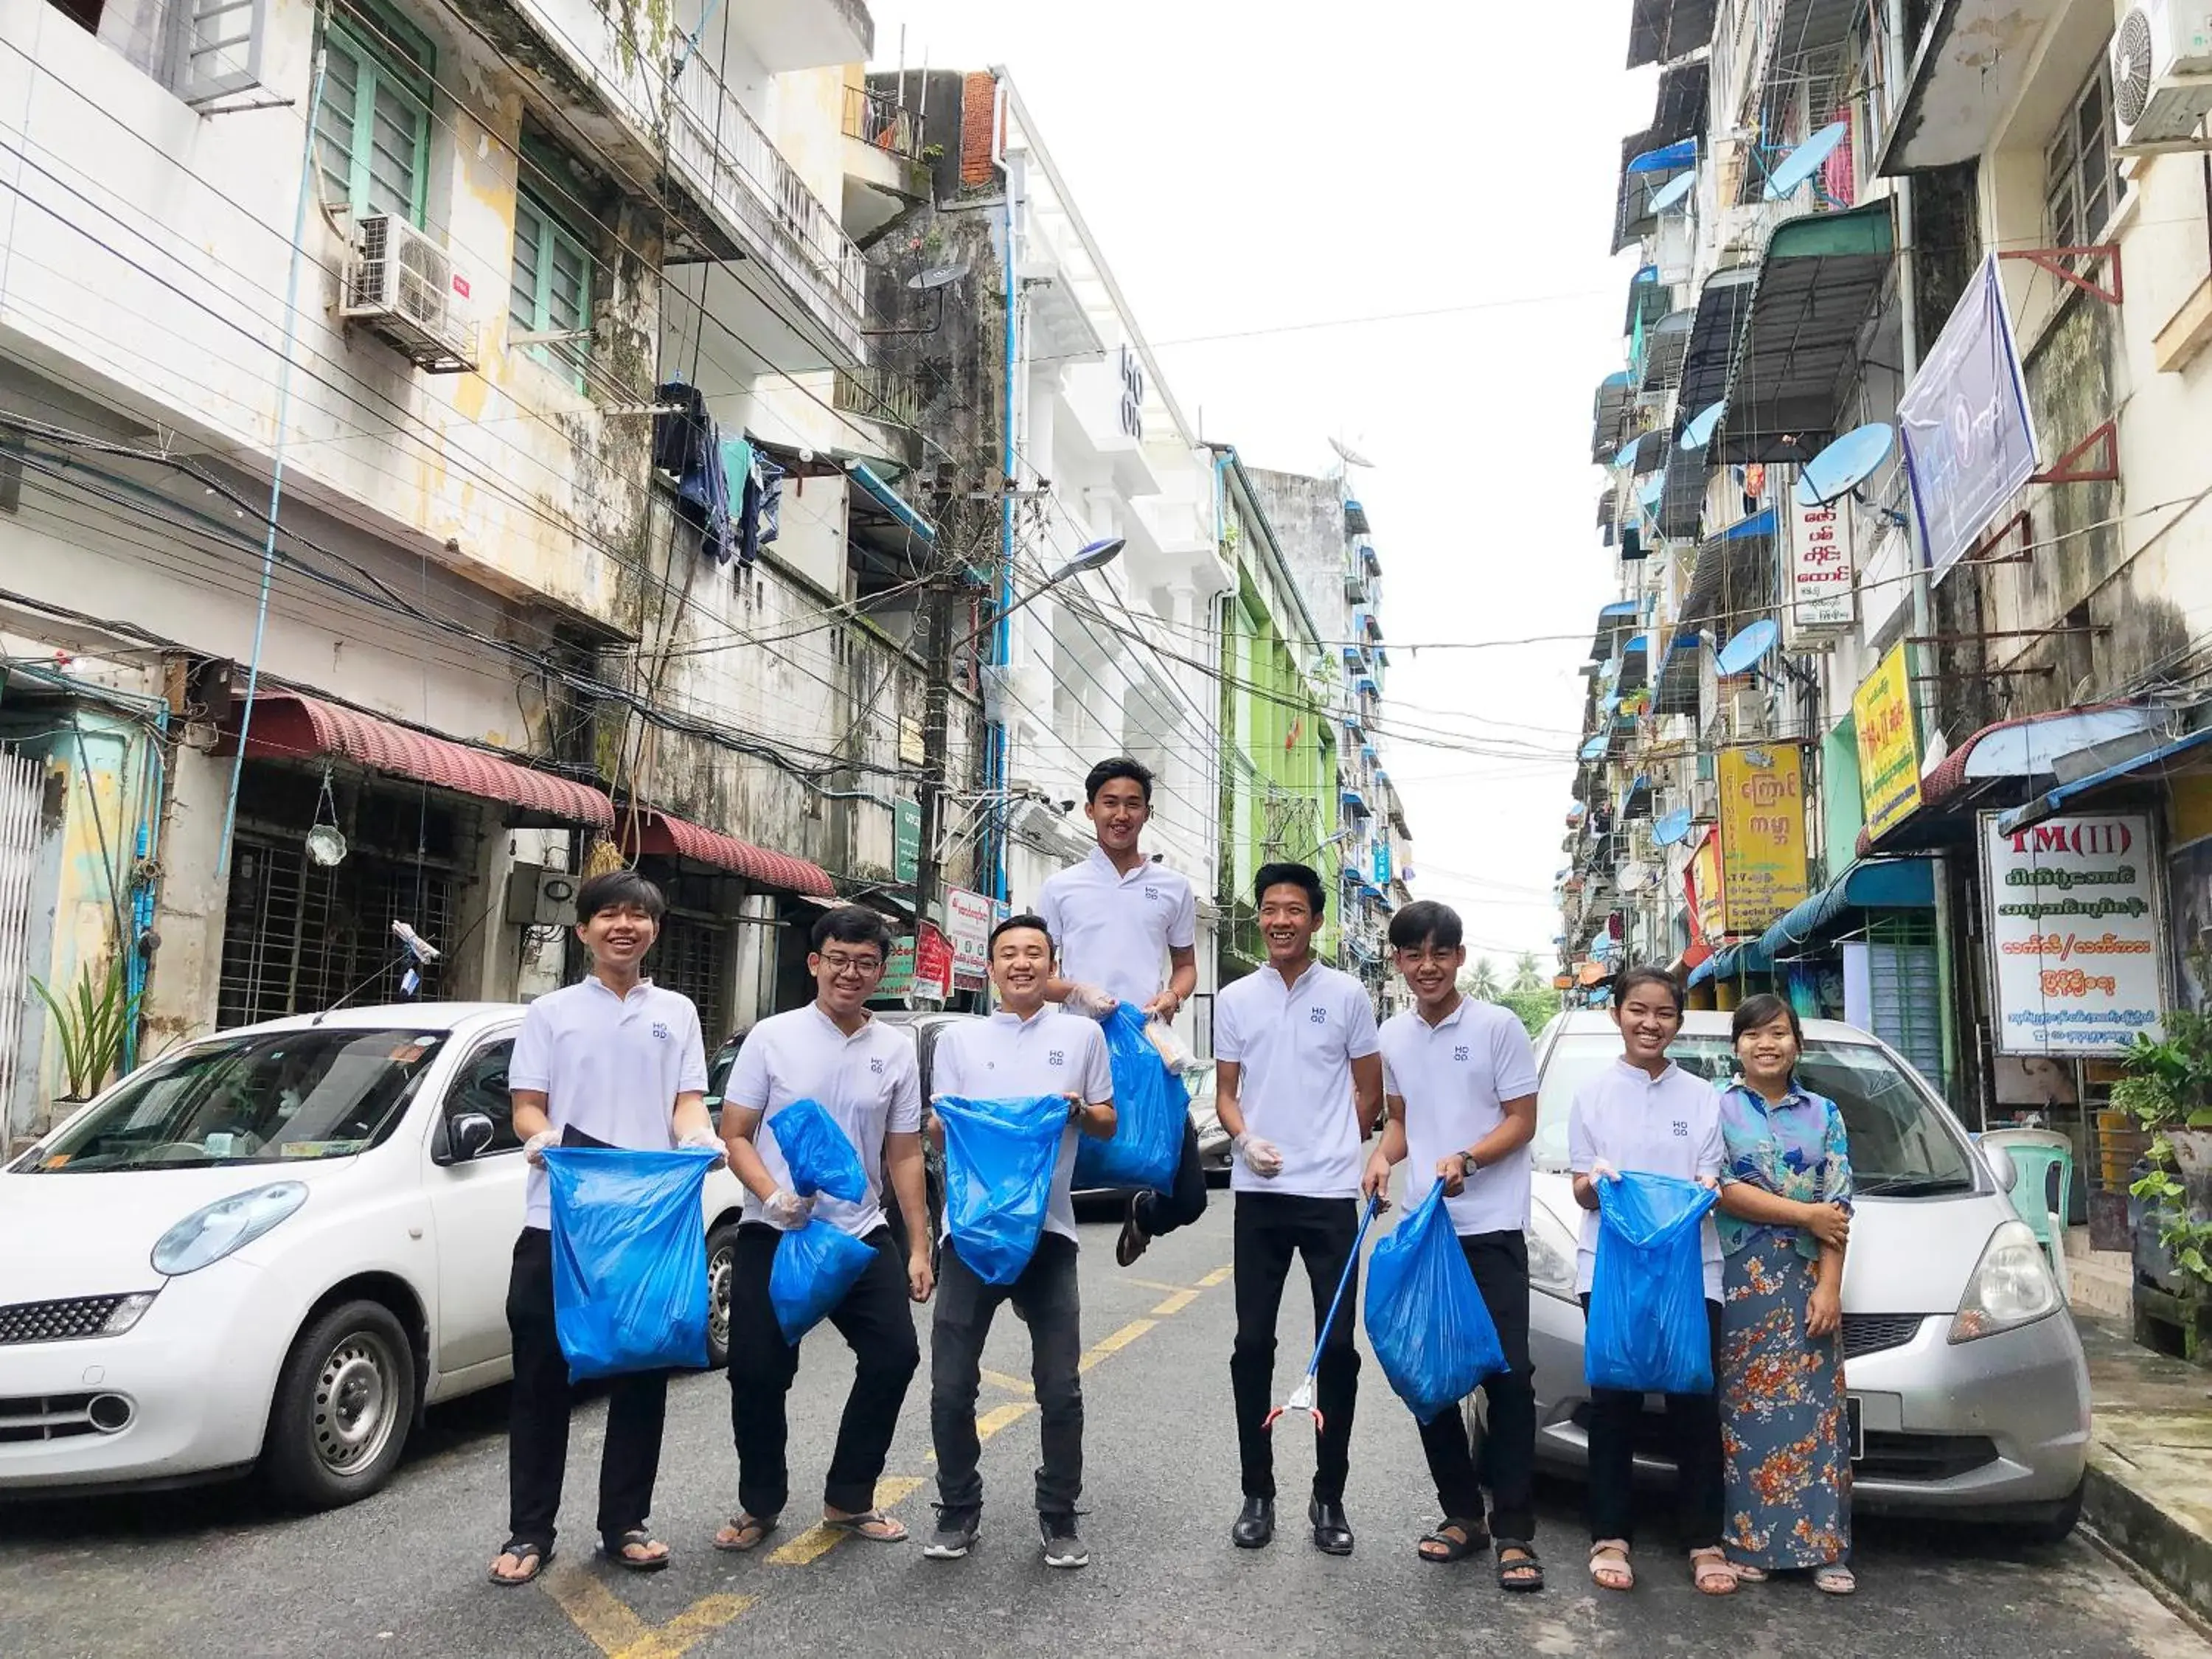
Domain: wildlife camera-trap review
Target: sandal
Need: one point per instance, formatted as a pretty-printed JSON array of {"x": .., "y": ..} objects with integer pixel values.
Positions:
[
  {"x": 1608, "y": 1564},
  {"x": 617, "y": 1550},
  {"x": 1834, "y": 1579},
  {"x": 530, "y": 1557},
  {"x": 744, "y": 1533},
  {"x": 856, "y": 1526},
  {"x": 1473, "y": 1537},
  {"x": 1522, "y": 1570},
  {"x": 1711, "y": 1572},
  {"x": 1748, "y": 1575}
]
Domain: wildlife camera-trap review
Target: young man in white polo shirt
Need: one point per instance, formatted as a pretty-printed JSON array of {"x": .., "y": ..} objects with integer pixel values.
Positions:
[
  {"x": 863, "y": 1074},
  {"x": 1299, "y": 1086},
  {"x": 1121, "y": 921},
  {"x": 1026, "y": 1049},
  {"x": 613, "y": 1060},
  {"x": 1459, "y": 1077}
]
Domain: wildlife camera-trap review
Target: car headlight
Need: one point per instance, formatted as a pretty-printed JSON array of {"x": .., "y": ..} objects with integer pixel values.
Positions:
[
  {"x": 211, "y": 1233},
  {"x": 2012, "y": 1286},
  {"x": 1551, "y": 1255}
]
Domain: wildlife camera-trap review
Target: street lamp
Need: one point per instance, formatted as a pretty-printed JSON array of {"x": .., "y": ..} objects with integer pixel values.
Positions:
[{"x": 1095, "y": 556}]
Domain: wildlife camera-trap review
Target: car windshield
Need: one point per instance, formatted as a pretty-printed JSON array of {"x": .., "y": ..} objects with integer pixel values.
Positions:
[
  {"x": 275, "y": 1098},
  {"x": 1902, "y": 1145}
]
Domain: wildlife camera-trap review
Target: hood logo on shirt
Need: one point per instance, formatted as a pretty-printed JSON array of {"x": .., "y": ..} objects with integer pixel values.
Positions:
[
  {"x": 1681, "y": 1130},
  {"x": 660, "y": 1029},
  {"x": 1151, "y": 892},
  {"x": 1057, "y": 1057},
  {"x": 1460, "y": 1052},
  {"x": 876, "y": 1065},
  {"x": 1317, "y": 1015}
]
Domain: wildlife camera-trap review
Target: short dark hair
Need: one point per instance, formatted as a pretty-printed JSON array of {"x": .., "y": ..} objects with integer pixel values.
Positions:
[
  {"x": 852, "y": 924},
  {"x": 1119, "y": 766},
  {"x": 1302, "y": 876},
  {"x": 1425, "y": 921},
  {"x": 1647, "y": 973},
  {"x": 616, "y": 888},
  {"x": 1015, "y": 923},
  {"x": 1763, "y": 1010}
]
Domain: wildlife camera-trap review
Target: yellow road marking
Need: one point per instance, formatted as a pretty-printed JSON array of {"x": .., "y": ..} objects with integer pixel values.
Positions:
[
  {"x": 618, "y": 1632},
  {"x": 1107, "y": 1346},
  {"x": 1152, "y": 1284},
  {"x": 1175, "y": 1305},
  {"x": 1010, "y": 1384},
  {"x": 818, "y": 1540},
  {"x": 1219, "y": 1276},
  {"x": 999, "y": 1416}
]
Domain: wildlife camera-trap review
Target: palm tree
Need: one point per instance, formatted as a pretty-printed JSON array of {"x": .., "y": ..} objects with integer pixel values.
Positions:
[
  {"x": 1479, "y": 980},
  {"x": 1528, "y": 973}
]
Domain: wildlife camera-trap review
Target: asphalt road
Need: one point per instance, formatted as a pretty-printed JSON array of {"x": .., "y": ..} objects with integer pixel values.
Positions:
[{"x": 212, "y": 1573}]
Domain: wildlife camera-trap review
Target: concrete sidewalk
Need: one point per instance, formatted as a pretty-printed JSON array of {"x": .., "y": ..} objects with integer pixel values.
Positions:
[{"x": 2149, "y": 1486}]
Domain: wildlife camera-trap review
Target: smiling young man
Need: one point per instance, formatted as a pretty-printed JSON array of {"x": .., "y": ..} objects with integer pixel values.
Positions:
[
  {"x": 1459, "y": 1077},
  {"x": 1026, "y": 1049},
  {"x": 863, "y": 1073},
  {"x": 1120, "y": 920},
  {"x": 1299, "y": 1086},
  {"x": 612, "y": 1060}
]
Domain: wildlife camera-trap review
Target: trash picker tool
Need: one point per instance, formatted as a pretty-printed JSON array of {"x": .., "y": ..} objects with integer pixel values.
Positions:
[{"x": 1301, "y": 1397}]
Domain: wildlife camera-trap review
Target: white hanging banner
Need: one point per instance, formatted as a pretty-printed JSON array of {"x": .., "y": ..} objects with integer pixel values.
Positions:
[{"x": 1822, "y": 570}]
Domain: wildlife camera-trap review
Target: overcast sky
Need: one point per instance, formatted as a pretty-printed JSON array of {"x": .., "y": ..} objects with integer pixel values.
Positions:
[{"x": 1263, "y": 169}]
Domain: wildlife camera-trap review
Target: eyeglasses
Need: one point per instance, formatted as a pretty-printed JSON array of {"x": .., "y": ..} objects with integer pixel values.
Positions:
[{"x": 859, "y": 967}]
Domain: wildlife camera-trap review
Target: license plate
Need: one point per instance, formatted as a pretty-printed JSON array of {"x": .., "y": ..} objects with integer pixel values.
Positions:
[{"x": 1855, "y": 1425}]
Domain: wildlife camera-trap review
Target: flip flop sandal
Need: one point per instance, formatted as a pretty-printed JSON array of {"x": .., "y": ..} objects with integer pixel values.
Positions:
[
  {"x": 616, "y": 1550},
  {"x": 1711, "y": 1574},
  {"x": 742, "y": 1525},
  {"x": 1834, "y": 1580},
  {"x": 1748, "y": 1575},
  {"x": 856, "y": 1526},
  {"x": 1524, "y": 1573},
  {"x": 522, "y": 1549},
  {"x": 1454, "y": 1549},
  {"x": 1610, "y": 1555}
]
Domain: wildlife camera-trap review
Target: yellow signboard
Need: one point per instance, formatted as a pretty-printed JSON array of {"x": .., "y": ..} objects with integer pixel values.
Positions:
[
  {"x": 1889, "y": 743},
  {"x": 1762, "y": 793},
  {"x": 1711, "y": 915}
]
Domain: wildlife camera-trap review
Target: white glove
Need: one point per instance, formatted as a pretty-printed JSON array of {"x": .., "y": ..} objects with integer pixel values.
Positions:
[
  {"x": 1262, "y": 1157},
  {"x": 1602, "y": 1170},
  {"x": 788, "y": 1211},
  {"x": 535, "y": 1146},
  {"x": 706, "y": 1139},
  {"x": 1175, "y": 1054},
  {"x": 1088, "y": 1001}
]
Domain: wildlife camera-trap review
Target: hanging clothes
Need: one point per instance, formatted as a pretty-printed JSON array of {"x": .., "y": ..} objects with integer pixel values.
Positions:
[{"x": 684, "y": 442}]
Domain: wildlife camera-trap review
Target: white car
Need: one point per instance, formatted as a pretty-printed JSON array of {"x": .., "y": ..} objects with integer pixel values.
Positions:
[{"x": 272, "y": 1248}]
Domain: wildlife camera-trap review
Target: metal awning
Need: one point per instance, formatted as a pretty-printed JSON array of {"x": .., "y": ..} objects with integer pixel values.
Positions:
[
  {"x": 1611, "y": 619},
  {"x": 1682, "y": 512},
  {"x": 1737, "y": 962},
  {"x": 1880, "y": 885},
  {"x": 1619, "y": 735},
  {"x": 1674, "y": 687},
  {"x": 1679, "y": 113},
  {"x": 1733, "y": 575},
  {"x": 1649, "y": 164},
  {"x": 1664, "y": 344},
  {"x": 1608, "y": 509},
  {"x": 1648, "y": 297},
  {"x": 1355, "y": 520},
  {"x": 1973, "y": 60},
  {"x": 1643, "y": 455},
  {"x": 652, "y": 831},
  {"x": 1635, "y": 663},
  {"x": 1807, "y": 27},
  {"x": 2190, "y": 752},
  {"x": 902, "y": 511},
  {"x": 1817, "y": 285},
  {"x": 1608, "y": 409},
  {"x": 1659, "y": 31},
  {"x": 1637, "y": 803},
  {"x": 1721, "y": 307}
]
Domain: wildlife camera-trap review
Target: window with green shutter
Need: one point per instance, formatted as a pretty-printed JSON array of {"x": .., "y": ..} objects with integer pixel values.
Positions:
[
  {"x": 373, "y": 123},
  {"x": 551, "y": 290}
]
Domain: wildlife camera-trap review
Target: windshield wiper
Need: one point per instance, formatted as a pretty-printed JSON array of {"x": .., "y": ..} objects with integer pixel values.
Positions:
[{"x": 1912, "y": 1185}]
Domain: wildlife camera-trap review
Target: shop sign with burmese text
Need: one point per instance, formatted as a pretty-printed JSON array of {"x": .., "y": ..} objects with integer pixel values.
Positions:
[
  {"x": 1762, "y": 800},
  {"x": 2075, "y": 921}
]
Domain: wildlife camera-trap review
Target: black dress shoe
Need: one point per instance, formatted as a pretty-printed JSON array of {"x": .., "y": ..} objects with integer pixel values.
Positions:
[
  {"x": 1332, "y": 1532},
  {"x": 1255, "y": 1524}
]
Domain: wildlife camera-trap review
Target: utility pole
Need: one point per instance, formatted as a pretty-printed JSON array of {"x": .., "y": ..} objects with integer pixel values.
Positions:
[{"x": 937, "y": 660}]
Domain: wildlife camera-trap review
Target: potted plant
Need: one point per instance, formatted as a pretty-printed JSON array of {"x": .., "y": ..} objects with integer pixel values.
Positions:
[
  {"x": 92, "y": 1021},
  {"x": 2165, "y": 1086}
]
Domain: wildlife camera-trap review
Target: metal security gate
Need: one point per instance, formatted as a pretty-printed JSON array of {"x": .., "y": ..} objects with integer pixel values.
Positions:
[{"x": 22, "y": 789}]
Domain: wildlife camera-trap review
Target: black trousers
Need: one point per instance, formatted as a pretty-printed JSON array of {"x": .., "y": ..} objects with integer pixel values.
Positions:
[
  {"x": 1046, "y": 1298},
  {"x": 1693, "y": 1432},
  {"x": 537, "y": 1429},
  {"x": 1500, "y": 1263},
  {"x": 875, "y": 1318},
  {"x": 1270, "y": 1228},
  {"x": 1160, "y": 1214}
]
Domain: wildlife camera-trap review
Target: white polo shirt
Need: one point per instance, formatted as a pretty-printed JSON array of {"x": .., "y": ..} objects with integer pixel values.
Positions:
[
  {"x": 1114, "y": 931},
  {"x": 1295, "y": 1044},
  {"x": 869, "y": 1083},
  {"x": 1669, "y": 1125},
  {"x": 1453, "y": 1080},
  {"x": 610, "y": 1066},
  {"x": 1004, "y": 1058}
]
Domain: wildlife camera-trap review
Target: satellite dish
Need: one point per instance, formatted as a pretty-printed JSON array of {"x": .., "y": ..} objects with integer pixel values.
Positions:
[
  {"x": 936, "y": 276},
  {"x": 1594, "y": 749},
  {"x": 1790, "y": 173},
  {"x": 1634, "y": 876},
  {"x": 1648, "y": 494},
  {"x": 1347, "y": 454},
  {"x": 1844, "y": 464},
  {"x": 1626, "y": 457},
  {"x": 1703, "y": 425},
  {"x": 1674, "y": 194},
  {"x": 1742, "y": 655},
  {"x": 1675, "y": 827}
]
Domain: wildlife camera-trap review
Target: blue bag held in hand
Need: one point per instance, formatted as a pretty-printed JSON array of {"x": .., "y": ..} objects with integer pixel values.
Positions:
[
  {"x": 1151, "y": 1108},
  {"x": 819, "y": 1153},
  {"x": 1425, "y": 1316},
  {"x": 999, "y": 1160},
  {"x": 815, "y": 1264},
  {"x": 1648, "y": 1331},
  {"x": 629, "y": 1258}
]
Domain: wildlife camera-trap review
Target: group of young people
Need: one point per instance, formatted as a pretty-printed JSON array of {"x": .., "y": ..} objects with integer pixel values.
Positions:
[{"x": 1304, "y": 1073}]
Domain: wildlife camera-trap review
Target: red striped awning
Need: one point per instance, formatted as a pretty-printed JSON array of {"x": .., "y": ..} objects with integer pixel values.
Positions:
[
  {"x": 286, "y": 726},
  {"x": 651, "y": 831}
]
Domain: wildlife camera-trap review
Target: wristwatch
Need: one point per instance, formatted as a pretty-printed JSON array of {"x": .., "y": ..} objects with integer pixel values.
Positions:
[{"x": 1467, "y": 1165}]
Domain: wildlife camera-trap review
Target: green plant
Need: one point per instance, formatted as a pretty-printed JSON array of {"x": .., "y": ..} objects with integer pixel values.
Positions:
[
  {"x": 2167, "y": 1085},
  {"x": 933, "y": 152},
  {"x": 92, "y": 1022}
]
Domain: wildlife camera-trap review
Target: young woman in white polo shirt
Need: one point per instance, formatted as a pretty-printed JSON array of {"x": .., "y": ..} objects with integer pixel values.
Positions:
[
  {"x": 1459, "y": 1077},
  {"x": 1645, "y": 1113}
]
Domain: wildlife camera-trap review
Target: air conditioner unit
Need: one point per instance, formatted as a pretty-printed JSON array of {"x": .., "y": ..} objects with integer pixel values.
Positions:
[
  {"x": 539, "y": 898},
  {"x": 2161, "y": 64},
  {"x": 1705, "y": 800},
  {"x": 403, "y": 285}
]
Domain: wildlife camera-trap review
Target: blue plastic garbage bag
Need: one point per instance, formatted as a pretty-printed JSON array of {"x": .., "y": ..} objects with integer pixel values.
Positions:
[
  {"x": 999, "y": 1160},
  {"x": 629, "y": 1258},
  {"x": 819, "y": 1153},
  {"x": 815, "y": 1266},
  {"x": 1648, "y": 1331},
  {"x": 1150, "y": 1107},
  {"x": 1425, "y": 1316}
]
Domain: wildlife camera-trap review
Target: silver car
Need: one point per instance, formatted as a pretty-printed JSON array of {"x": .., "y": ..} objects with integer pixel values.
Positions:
[{"x": 1969, "y": 1394}]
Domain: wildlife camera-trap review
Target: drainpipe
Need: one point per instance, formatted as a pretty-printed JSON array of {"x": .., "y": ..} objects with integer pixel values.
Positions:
[{"x": 1001, "y": 629}]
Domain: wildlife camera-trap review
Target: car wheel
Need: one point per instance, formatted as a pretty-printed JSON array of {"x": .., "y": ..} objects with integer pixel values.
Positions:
[
  {"x": 721, "y": 1262},
  {"x": 345, "y": 1402}
]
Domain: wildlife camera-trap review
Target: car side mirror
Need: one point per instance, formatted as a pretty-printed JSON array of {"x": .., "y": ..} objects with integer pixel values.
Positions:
[
  {"x": 470, "y": 1135},
  {"x": 2006, "y": 1172}
]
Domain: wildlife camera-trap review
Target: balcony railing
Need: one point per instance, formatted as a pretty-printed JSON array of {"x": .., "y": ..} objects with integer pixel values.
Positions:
[
  {"x": 889, "y": 398},
  {"x": 723, "y": 153},
  {"x": 882, "y": 123}
]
